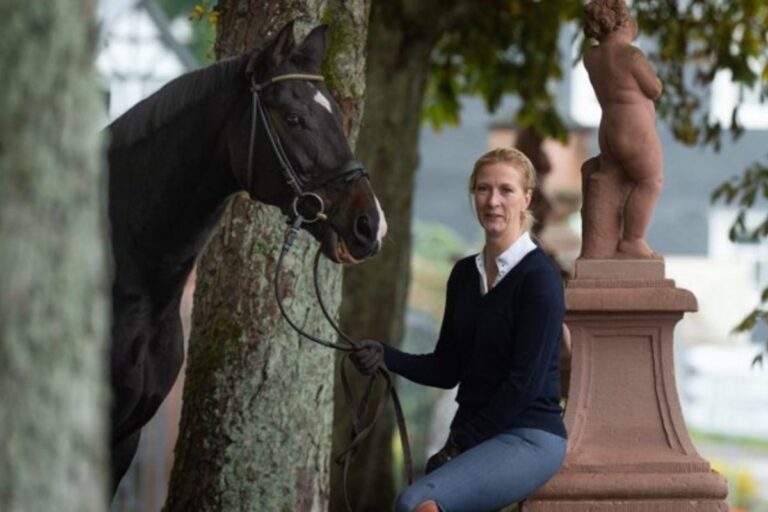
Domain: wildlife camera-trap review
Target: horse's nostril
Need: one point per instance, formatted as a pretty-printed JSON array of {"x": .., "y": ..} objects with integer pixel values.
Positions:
[{"x": 363, "y": 228}]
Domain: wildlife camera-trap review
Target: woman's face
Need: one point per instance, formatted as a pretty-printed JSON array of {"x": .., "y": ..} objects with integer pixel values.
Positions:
[{"x": 500, "y": 199}]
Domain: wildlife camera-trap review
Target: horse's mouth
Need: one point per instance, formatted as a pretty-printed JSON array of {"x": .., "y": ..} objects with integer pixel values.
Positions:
[
  {"x": 336, "y": 249},
  {"x": 343, "y": 255}
]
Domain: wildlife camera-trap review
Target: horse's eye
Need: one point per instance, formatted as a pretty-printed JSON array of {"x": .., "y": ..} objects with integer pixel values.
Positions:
[{"x": 293, "y": 119}]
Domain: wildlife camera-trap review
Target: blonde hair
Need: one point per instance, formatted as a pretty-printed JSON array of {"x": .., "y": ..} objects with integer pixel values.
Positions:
[
  {"x": 601, "y": 17},
  {"x": 517, "y": 160}
]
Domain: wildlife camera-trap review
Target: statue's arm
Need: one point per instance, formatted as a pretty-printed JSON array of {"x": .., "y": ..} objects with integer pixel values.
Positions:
[
  {"x": 589, "y": 58},
  {"x": 645, "y": 75}
]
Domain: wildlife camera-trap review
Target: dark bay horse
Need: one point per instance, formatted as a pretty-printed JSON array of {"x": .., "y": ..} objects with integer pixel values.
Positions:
[{"x": 175, "y": 159}]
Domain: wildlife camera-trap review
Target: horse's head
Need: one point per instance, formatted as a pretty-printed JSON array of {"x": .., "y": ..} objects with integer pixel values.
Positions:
[{"x": 296, "y": 146}]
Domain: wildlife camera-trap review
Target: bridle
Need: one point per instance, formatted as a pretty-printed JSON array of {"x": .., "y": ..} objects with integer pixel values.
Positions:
[
  {"x": 308, "y": 207},
  {"x": 305, "y": 200}
]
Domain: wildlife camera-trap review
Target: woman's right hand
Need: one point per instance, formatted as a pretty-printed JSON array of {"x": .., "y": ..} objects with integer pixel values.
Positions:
[{"x": 368, "y": 356}]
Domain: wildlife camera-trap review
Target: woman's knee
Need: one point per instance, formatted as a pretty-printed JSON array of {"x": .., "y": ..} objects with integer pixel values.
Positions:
[
  {"x": 407, "y": 501},
  {"x": 412, "y": 500}
]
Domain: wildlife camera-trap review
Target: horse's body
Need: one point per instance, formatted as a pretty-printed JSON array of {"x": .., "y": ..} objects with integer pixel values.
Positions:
[{"x": 174, "y": 160}]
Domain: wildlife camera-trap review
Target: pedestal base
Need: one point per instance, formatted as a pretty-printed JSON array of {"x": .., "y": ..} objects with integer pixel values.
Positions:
[
  {"x": 683, "y": 505},
  {"x": 628, "y": 448}
]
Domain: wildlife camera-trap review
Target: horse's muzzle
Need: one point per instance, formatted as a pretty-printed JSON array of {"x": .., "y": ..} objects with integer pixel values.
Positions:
[{"x": 341, "y": 250}]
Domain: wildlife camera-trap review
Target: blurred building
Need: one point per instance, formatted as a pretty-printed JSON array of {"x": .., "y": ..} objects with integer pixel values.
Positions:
[{"x": 139, "y": 52}]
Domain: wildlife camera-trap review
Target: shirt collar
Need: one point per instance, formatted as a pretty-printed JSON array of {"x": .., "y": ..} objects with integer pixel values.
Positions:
[{"x": 505, "y": 261}]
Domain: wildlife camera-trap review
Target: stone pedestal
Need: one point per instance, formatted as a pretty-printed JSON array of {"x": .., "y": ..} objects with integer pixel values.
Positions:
[{"x": 628, "y": 448}]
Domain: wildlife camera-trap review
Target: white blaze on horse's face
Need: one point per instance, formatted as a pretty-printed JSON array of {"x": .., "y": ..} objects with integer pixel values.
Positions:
[
  {"x": 322, "y": 101},
  {"x": 382, "y": 223}
]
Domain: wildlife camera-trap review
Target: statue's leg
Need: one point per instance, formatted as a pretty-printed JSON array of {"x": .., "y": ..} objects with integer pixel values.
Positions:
[{"x": 638, "y": 211}]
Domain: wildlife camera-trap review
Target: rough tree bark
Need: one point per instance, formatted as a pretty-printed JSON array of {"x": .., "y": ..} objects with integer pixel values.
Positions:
[
  {"x": 401, "y": 37},
  {"x": 53, "y": 278},
  {"x": 257, "y": 414}
]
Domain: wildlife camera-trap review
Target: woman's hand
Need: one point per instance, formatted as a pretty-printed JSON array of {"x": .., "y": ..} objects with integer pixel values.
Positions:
[
  {"x": 446, "y": 453},
  {"x": 368, "y": 357}
]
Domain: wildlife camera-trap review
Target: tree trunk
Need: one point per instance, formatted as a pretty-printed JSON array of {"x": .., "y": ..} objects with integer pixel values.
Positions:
[
  {"x": 374, "y": 294},
  {"x": 53, "y": 278},
  {"x": 257, "y": 414}
]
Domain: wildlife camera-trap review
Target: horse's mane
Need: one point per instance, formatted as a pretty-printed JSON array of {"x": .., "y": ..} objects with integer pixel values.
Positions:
[{"x": 172, "y": 99}]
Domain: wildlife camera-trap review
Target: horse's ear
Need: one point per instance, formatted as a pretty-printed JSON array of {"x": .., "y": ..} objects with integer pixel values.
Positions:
[
  {"x": 283, "y": 44},
  {"x": 275, "y": 52},
  {"x": 311, "y": 50}
]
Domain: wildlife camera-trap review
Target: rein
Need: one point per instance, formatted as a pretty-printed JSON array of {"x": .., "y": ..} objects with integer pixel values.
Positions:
[
  {"x": 360, "y": 411},
  {"x": 307, "y": 201}
]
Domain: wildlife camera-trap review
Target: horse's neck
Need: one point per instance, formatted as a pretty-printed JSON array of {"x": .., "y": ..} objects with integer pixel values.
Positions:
[{"x": 166, "y": 195}]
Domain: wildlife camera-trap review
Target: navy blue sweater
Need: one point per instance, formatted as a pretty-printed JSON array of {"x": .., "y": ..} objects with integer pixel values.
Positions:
[{"x": 500, "y": 348}]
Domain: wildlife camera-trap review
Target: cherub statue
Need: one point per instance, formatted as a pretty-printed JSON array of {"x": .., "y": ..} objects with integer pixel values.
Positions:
[{"x": 629, "y": 167}]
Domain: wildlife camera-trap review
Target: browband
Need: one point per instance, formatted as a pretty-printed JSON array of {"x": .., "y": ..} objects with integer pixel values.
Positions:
[{"x": 287, "y": 76}]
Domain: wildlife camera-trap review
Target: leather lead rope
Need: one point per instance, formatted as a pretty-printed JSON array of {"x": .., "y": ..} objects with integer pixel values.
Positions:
[
  {"x": 290, "y": 237},
  {"x": 360, "y": 433},
  {"x": 360, "y": 411}
]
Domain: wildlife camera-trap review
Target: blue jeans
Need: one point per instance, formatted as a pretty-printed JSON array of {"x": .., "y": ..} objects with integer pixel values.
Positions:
[{"x": 502, "y": 470}]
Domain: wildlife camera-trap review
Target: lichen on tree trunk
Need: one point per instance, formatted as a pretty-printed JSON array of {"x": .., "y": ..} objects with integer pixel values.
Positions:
[
  {"x": 256, "y": 420},
  {"x": 256, "y": 411},
  {"x": 53, "y": 278}
]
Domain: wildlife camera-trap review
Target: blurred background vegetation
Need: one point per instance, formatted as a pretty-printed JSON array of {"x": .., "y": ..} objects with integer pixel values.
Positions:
[{"x": 201, "y": 32}]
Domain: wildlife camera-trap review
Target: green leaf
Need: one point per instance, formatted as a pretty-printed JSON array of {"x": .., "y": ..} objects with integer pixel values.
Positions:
[
  {"x": 723, "y": 189},
  {"x": 762, "y": 229},
  {"x": 748, "y": 322},
  {"x": 748, "y": 199}
]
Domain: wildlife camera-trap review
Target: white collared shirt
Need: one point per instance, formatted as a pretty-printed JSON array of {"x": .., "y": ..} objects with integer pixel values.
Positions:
[{"x": 505, "y": 261}]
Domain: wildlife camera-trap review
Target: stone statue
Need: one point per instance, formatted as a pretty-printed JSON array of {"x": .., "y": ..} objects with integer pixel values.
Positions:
[{"x": 623, "y": 183}]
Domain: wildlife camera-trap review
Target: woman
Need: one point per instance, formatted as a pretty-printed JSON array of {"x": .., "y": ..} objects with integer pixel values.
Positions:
[{"x": 499, "y": 342}]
